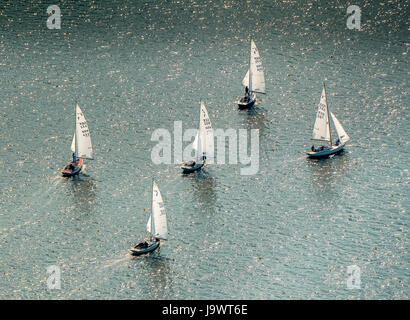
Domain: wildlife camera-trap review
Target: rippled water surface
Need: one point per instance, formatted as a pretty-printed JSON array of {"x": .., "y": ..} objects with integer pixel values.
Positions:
[{"x": 288, "y": 232}]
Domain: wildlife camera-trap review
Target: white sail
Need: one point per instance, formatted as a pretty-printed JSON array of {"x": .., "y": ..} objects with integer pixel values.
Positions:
[
  {"x": 73, "y": 144},
  {"x": 343, "y": 137},
  {"x": 84, "y": 146},
  {"x": 258, "y": 76},
  {"x": 149, "y": 224},
  {"x": 321, "y": 129},
  {"x": 198, "y": 148},
  {"x": 157, "y": 223},
  {"x": 257, "y": 83},
  {"x": 206, "y": 134},
  {"x": 245, "y": 81},
  {"x": 195, "y": 145}
]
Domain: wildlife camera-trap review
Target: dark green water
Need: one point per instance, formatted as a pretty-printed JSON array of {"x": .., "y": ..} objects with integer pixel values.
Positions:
[{"x": 288, "y": 232}]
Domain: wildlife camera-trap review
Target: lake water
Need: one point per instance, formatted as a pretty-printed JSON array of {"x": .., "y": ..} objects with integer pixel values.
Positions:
[{"x": 288, "y": 232}]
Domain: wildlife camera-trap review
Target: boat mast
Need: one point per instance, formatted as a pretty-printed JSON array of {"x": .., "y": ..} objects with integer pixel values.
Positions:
[
  {"x": 328, "y": 119},
  {"x": 250, "y": 70},
  {"x": 152, "y": 209},
  {"x": 75, "y": 130},
  {"x": 200, "y": 153}
]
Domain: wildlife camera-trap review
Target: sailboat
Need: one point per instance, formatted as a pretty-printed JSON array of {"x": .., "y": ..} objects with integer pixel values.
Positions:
[
  {"x": 254, "y": 80},
  {"x": 81, "y": 145},
  {"x": 322, "y": 131},
  {"x": 203, "y": 144},
  {"x": 156, "y": 225}
]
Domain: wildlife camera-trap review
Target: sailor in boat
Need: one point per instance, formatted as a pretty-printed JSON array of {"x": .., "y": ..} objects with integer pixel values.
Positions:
[
  {"x": 313, "y": 148},
  {"x": 73, "y": 164},
  {"x": 142, "y": 245},
  {"x": 337, "y": 142},
  {"x": 190, "y": 163},
  {"x": 246, "y": 98},
  {"x": 145, "y": 244}
]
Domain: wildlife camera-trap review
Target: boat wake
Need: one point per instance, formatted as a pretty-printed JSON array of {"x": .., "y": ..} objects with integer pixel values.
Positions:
[{"x": 115, "y": 262}]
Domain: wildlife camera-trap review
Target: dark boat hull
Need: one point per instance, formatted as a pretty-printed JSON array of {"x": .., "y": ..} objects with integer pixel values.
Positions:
[
  {"x": 326, "y": 152},
  {"x": 242, "y": 104},
  {"x": 71, "y": 170},
  {"x": 246, "y": 105},
  {"x": 152, "y": 247},
  {"x": 189, "y": 169}
]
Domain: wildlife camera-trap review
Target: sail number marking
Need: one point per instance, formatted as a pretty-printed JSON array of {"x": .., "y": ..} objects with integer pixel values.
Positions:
[
  {"x": 321, "y": 111},
  {"x": 207, "y": 124},
  {"x": 85, "y": 132},
  {"x": 161, "y": 208}
]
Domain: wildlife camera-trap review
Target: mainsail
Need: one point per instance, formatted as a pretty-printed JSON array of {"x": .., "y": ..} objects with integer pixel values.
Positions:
[
  {"x": 257, "y": 83},
  {"x": 84, "y": 146},
  {"x": 321, "y": 129},
  {"x": 157, "y": 222},
  {"x": 206, "y": 134},
  {"x": 343, "y": 137}
]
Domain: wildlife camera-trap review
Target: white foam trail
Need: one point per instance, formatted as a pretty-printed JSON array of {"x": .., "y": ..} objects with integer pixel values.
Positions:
[{"x": 114, "y": 262}]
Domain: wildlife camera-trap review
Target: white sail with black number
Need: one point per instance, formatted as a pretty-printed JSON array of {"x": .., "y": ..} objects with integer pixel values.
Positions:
[
  {"x": 321, "y": 129},
  {"x": 257, "y": 81},
  {"x": 343, "y": 137},
  {"x": 157, "y": 222},
  {"x": 206, "y": 134},
  {"x": 84, "y": 147}
]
